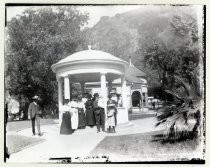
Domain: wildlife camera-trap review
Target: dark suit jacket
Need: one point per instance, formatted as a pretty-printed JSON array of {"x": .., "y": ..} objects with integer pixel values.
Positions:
[
  {"x": 112, "y": 104},
  {"x": 33, "y": 110},
  {"x": 96, "y": 108}
]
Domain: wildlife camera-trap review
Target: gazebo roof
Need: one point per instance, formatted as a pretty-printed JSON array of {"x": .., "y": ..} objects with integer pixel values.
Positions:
[
  {"x": 89, "y": 55},
  {"x": 133, "y": 79},
  {"x": 132, "y": 70},
  {"x": 92, "y": 61}
]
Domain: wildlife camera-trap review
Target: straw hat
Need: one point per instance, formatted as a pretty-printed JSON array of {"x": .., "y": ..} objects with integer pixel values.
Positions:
[
  {"x": 35, "y": 97},
  {"x": 112, "y": 92}
]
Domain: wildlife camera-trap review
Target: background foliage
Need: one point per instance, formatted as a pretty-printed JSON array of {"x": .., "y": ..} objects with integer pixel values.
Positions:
[
  {"x": 36, "y": 40},
  {"x": 163, "y": 41}
]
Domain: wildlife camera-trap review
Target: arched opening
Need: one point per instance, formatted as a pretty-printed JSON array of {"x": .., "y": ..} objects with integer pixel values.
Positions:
[{"x": 136, "y": 99}]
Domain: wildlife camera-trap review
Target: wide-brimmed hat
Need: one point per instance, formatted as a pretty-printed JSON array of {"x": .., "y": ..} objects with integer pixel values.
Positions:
[
  {"x": 112, "y": 92},
  {"x": 89, "y": 96},
  {"x": 109, "y": 96},
  {"x": 96, "y": 95},
  {"x": 35, "y": 97}
]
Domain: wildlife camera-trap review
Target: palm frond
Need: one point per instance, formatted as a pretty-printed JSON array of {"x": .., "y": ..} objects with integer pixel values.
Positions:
[
  {"x": 177, "y": 126},
  {"x": 186, "y": 107},
  {"x": 190, "y": 89},
  {"x": 165, "y": 112},
  {"x": 173, "y": 94},
  {"x": 160, "y": 122}
]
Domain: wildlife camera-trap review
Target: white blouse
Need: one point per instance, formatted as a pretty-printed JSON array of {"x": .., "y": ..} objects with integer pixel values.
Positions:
[
  {"x": 73, "y": 104},
  {"x": 81, "y": 105}
]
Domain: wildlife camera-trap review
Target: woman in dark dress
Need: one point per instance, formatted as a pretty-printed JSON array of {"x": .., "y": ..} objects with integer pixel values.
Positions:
[
  {"x": 65, "y": 128},
  {"x": 90, "y": 117},
  {"x": 81, "y": 113}
]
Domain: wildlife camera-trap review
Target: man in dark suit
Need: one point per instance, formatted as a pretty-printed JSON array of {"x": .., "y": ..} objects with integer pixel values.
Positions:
[
  {"x": 99, "y": 114},
  {"x": 34, "y": 113}
]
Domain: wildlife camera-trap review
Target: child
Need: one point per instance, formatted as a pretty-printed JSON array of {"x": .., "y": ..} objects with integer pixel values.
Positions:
[{"x": 111, "y": 110}]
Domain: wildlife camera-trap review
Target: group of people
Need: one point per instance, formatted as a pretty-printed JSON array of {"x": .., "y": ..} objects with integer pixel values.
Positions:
[
  {"x": 79, "y": 113},
  {"x": 88, "y": 111}
]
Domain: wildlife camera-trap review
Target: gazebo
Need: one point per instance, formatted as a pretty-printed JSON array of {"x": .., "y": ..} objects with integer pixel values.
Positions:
[{"x": 91, "y": 66}]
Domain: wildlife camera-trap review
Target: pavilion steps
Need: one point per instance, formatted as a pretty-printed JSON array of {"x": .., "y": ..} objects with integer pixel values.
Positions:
[
  {"x": 141, "y": 115},
  {"x": 139, "y": 110}
]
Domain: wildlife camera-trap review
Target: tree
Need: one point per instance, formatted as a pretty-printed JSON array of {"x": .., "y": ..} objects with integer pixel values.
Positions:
[
  {"x": 177, "y": 61},
  {"x": 175, "y": 51},
  {"x": 35, "y": 40}
]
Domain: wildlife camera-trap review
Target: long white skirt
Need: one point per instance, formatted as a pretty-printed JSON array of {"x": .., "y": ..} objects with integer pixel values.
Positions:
[
  {"x": 111, "y": 119},
  {"x": 74, "y": 118}
]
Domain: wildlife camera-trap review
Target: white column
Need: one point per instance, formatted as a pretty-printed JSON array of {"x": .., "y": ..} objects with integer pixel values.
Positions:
[
  {"x": 124, "y": 98},
  {"x": 104, "y": 95},
  {"x": 104, "y": 90},
  {"x": 141, "y": 101},
  {"x": 146, "y": 100},
  {"x": 66, "y": 88},
  {"x": 124, "y": 93},
  {"x": 60, "y": 99}
]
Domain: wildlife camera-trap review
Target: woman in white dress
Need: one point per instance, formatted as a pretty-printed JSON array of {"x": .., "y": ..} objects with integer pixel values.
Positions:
[
  {"x": 81, "y": 113},
  {"x": 66, "y": 120},
  {"x": 111, "y": 110},
  {"x": 74, "y": 113}
]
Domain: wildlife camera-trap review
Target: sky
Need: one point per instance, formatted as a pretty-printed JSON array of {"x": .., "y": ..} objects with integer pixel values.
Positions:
[{"x": 95, "y": 12}]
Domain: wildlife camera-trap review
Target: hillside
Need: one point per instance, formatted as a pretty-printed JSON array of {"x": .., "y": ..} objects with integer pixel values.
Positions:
[{"x": 128, "y": 33}]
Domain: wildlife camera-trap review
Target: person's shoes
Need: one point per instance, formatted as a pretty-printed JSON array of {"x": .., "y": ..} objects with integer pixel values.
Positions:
[
  {"x": 7, "y": 153},
  {"x": 98, "y": 131},
  {"x": 114, "y": 130},
  {"x": 39, "y": 134},
  {"x": 34, "y": 134}
]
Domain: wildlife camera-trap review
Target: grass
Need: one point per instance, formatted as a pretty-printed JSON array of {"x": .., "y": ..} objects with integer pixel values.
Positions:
[
  {"x": 19, "y": 125},
  {"x": 16, "y": 143},
  {"x": 148, "y": 146},
  {"x": 144, "y": 146}
]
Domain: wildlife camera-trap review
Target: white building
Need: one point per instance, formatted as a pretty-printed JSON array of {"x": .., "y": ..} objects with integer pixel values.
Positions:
[
  {"x": 101, "y": 72},
  {"x": 136, "y": 88}
]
